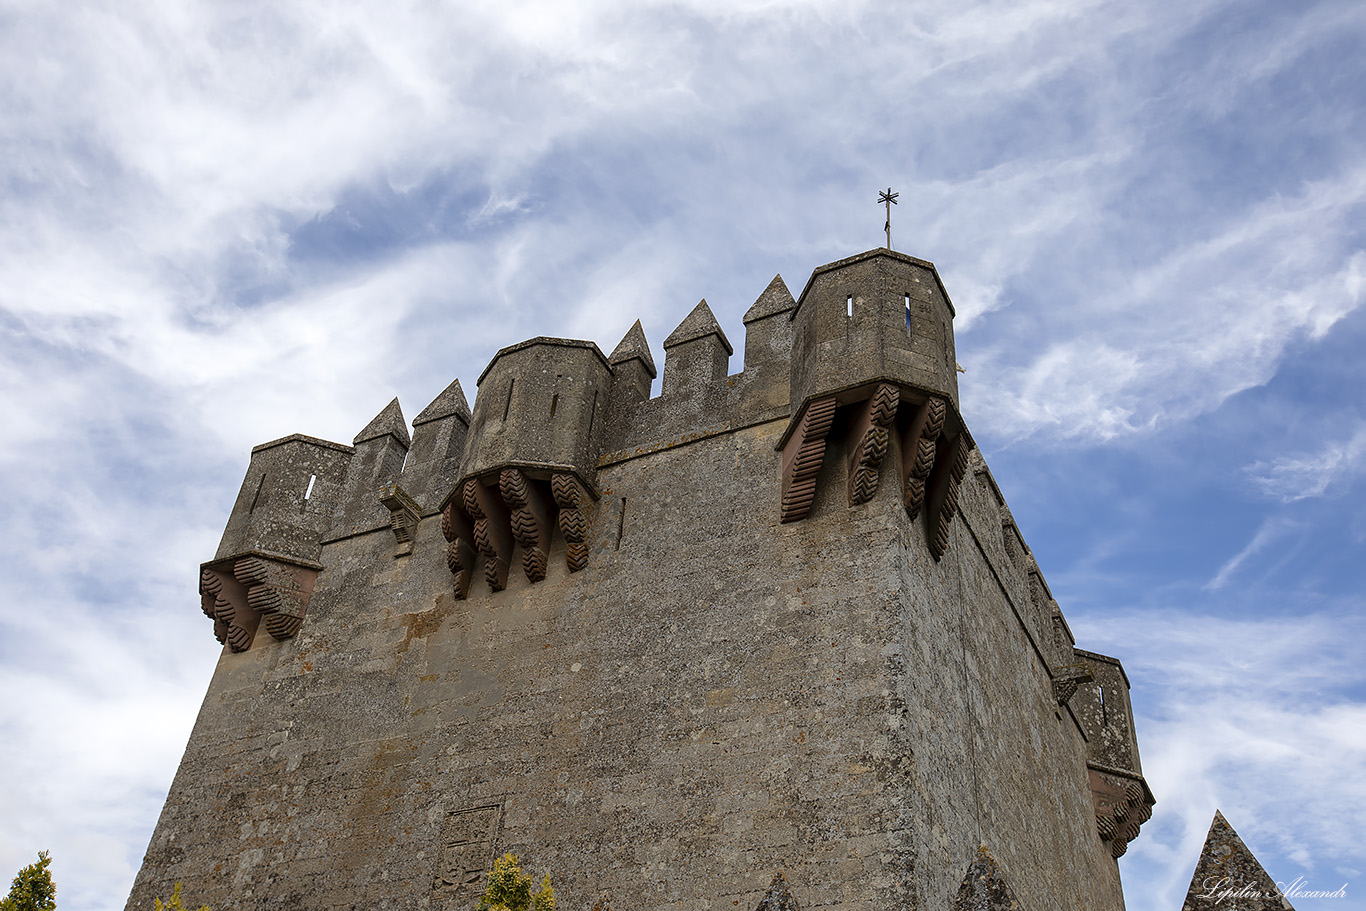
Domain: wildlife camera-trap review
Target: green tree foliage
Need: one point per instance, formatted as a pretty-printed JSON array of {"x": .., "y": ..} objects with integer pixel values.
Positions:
[
  {"x": 510, "y": 889},
  {"x": 176, "y": 903},
  {"x": 33, "y": 889}
]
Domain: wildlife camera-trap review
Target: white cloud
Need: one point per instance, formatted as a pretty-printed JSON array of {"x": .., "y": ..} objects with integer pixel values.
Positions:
[
  {"x": 1270, "y": 531},
  {"x": 1253, "y": 717},
  {"x": 1305, "y": 475},
  {"x": 1180, "y": 337},
  {"x": 164, "y": 163}
]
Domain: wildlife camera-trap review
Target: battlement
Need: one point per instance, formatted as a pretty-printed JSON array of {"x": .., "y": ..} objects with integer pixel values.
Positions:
[
  {"x": 867, "y": 348},
  {"x": 782, "y": 614}
]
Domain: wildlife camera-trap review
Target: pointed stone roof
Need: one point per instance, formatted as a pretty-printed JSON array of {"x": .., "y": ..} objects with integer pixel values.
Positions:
[
  {"x": 634, "y": 345},
  {"x": 1227, "y": 873},
  {"x": 698, "y": 324},
  {"x": 388, "y": 421},
  {"x": 778, "y": 897},
  {"x": 984, "y": 888},
  {"x": 451, "y": 401},
  {"x": 775, "y": 299}
]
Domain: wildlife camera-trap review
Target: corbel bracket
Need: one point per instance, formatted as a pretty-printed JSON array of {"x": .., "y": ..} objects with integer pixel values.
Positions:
[{"x": 404, "y": 516}]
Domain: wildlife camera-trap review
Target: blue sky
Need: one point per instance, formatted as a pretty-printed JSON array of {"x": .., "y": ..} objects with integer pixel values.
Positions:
[{"x": 224, "y": 223}]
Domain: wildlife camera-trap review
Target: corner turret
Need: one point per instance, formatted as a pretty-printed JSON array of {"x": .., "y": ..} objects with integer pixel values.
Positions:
[
  {"x": 881, "y": 316},
  {"x": 873, "y": 337},
  {"x": 530, "y": 460},
  {"x": 267, "y": 561}
]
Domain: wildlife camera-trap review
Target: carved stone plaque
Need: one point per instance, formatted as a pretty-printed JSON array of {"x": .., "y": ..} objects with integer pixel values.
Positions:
[{"x": 467, "y": 849}]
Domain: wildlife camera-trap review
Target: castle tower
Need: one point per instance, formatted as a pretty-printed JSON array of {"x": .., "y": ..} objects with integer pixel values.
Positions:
[{"x": 663, "y": 648}]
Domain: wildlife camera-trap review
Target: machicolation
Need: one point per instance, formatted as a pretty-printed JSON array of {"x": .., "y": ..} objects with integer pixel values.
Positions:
[{"x": 662, "y": 648}]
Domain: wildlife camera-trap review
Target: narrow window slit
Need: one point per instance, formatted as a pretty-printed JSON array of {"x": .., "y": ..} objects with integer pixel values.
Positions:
[
  {"x": 507, "y": 406},
  {"x": 592, "y": 415},
  {"x": 908, "y": 311},
  {"x": 849, "y": 305},
  {"x": 256, "y": 499},
  {"x": 621, "y": 523},
  {"x": 554, "y": 404},
  {"x": 308, "y": 491}
]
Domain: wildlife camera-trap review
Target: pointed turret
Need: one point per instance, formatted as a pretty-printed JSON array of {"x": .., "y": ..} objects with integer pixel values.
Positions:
[
  {"x": 388, "y": 421},
  {"x": 779, "y": 896},
  {"x": 768, "y": 343},
  {"x": 696, "y": 355},
  {"x": 698, "y": 324},
  {"x": 450, "y": 403},
  {"x": 776, "y": 299},
  {"x": 433, "y": 463},
  {"x": 380, "y": 449},
  {"x": 984, "y": 888},
  {"x": 633, "y": 372},
  {"x": 1228, "y": 875},
  {"x": 633, "y": 346}
]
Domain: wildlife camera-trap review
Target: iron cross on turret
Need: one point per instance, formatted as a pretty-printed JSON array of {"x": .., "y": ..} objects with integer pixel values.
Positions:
[{"x": 890, "y": 199}]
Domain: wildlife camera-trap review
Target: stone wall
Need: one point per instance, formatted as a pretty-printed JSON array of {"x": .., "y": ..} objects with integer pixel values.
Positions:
[{"x": 715, "y": 696}]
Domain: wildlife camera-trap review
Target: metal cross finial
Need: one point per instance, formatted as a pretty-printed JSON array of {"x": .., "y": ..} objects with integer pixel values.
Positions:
[{"x": 890, "y": 199}]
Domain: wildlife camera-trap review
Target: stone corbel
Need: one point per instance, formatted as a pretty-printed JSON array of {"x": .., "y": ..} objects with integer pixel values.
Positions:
[
  {"x": 802, "y": 458},
  {"x": 458, "y": 531},
  {"x": 918, "y": 449},
  {"x": 868, "y": 439},
  {"x": 224, "y": 601},
  {"x": 492, "y": 531},
  {"x": 241, "y": 593},
  {"x": 942, "y": 500},
  {"x": 404, "y": 515},
  {"x": 529, "y": 520},
  {"x": 1067, "y": 678},
  {"x": 574, "y": 518},
  {"x": 1122, "y": 804},
  {"x": 277, "y": 591}
]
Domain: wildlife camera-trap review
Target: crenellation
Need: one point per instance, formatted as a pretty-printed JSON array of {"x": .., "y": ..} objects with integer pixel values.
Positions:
[
  {"x": 439, "y": 433},
  {"x": 379, "y": 451},
  {"x": 787, "y": 635},
  {"x": 633, "y": 372},
  {"x": 696, "y": 356},
  {"x": 768, "y": 345}
]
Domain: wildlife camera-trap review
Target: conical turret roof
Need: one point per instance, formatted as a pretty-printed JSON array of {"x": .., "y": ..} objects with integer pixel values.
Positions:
[
  {"x": 388, "y": 421},
  {"x": 698, "y": 324}
]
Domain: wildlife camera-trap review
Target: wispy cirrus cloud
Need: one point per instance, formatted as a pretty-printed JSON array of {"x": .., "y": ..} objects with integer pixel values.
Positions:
[
  {"x": 1254, "y": 717},
  {"x": 221, "y": 224},
  {"x": 1305, "y": 475}
]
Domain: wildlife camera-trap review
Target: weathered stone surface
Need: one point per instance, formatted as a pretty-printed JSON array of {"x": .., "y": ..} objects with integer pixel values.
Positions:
[
  {"x": 779, "y": 896},
  {"x": 1227, "y": 875},
  {"x": 681, "y": 692},
  {"x": 432, "y": 467},
  {"x": 984, "y": 887},
  {"x": 377, "y": 459},
  {"x": 287, "y": 498}
]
